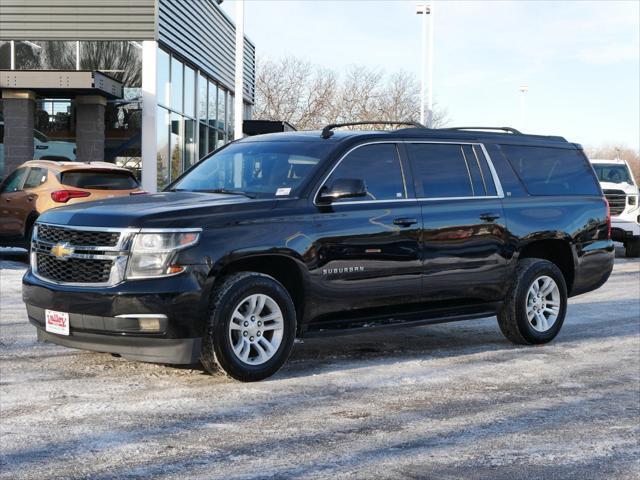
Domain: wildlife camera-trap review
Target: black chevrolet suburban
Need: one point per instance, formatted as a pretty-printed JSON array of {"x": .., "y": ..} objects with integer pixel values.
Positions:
[{"x": 290, "y": 235}]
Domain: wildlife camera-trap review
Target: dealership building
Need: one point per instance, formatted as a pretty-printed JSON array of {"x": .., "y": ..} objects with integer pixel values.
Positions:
[{"x": 148, "y": 84}]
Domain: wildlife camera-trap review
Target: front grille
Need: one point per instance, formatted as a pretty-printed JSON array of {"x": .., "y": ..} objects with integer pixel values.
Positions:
[
  {"x": 73, "y": 270},
  {"x": 617, "y": 201},
  {"x": 78, "y": 238}
]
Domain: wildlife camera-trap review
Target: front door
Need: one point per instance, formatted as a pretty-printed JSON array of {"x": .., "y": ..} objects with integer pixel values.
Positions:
[
  {"x": 464, "y": 236},
  {"x": 14, "y": 204},
  {"x": 367, "y": 248}
]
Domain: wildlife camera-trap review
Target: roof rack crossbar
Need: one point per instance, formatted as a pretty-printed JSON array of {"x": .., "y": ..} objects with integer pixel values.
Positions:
[
  {"x": 327, "y": 131},
  {"x": 500, "y": 129}
]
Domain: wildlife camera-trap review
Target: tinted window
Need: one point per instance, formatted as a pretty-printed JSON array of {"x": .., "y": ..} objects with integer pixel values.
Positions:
[
  {"x": 552, "y": 171},
  {"x": 99, "y": 180},
  {"x": 379, "y": 166},
  {"x": 612, "y": 173},
  {"x": 13, "y": 183},
  {"x": 477, "y": 182},
  {"x": 263, "y": 169},
  {"x": 440, "y": 170},
  {"x": 35, "y": 178}
]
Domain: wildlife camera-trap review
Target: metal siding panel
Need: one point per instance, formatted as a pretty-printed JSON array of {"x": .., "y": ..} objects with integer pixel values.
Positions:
[
  {"x": 77, "y": 20},
  {"x": 201, "y": 33}
]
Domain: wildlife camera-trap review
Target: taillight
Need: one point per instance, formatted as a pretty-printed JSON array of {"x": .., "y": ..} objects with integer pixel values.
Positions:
[
  {"x": 63, "y": 196},
  {"x": 608, "y": 219}
]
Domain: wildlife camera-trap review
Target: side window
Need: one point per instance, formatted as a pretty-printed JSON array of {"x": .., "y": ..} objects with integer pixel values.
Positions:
[
  {"x": 477, "y": 180},
  {"x": 440, "y": 170},
  {"x": 13, "y": 183},
  {"x": 484, "y": 170},
  {"x": 35, "y": 178},
  {"x": 379, "y": 166},
  {"x": 552, "y": 171}
]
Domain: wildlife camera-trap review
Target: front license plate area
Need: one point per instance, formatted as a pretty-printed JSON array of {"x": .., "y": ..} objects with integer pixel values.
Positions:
[{"x": 56, "y": 322}]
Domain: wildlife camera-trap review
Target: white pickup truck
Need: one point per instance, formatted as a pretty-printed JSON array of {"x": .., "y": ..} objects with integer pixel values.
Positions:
[{"x": 621, "y": 191}]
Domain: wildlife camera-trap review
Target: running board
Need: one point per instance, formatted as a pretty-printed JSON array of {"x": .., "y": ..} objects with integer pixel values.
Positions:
[{"x": 412, "y": 319}]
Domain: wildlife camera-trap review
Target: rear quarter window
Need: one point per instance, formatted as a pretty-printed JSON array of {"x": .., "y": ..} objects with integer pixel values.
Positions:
[
  {"x": 552, "y": 171},
  {"x": 99, "y": 180}
]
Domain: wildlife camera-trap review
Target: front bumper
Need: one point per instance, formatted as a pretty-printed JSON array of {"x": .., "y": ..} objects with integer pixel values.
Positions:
[
  {"x": 623, "y": 230},
  {"x": 178, "y": 351},
  {"x": 98, "y": 316}
]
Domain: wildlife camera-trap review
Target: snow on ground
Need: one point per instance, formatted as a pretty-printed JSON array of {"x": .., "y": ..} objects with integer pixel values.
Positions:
[{"x": 446, "y": 401}]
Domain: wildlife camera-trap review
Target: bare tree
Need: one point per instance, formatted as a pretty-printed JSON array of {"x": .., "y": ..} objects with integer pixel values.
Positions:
[
  {"x": 609, "y": 152},
  {"x": 309, "y": 96}
]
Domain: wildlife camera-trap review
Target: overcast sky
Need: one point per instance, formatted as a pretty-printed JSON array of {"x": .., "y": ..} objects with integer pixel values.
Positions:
[{"x": 580, "y": 60}]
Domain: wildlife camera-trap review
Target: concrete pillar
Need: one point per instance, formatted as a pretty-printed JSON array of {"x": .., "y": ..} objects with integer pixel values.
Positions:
[
  {"x": 90, "y": 128},
  {"x": 19, "y": 108}
]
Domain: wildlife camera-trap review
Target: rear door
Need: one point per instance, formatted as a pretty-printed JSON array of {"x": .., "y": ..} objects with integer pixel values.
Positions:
[
  {"x": 367, "y": 248},
  {"x": 464, "y": 235}
]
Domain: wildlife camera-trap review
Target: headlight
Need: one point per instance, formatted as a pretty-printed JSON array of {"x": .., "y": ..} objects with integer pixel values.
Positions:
[
  {"x": 633, "y": 200},
  {"x": 152, "y": 252}
]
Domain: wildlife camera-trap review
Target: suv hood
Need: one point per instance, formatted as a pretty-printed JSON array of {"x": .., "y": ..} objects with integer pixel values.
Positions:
[
  {"x": 158, "y": 210},
  {"x": 625, "y": 187}
]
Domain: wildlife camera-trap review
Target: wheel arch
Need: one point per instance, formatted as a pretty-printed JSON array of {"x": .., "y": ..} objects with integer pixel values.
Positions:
[
  {"x": 285, "y": 268},
  {"x": 556, "y": 251}
]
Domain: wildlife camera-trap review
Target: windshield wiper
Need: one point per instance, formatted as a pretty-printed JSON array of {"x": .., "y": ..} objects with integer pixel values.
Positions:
[{"x": 227, "y": 191}]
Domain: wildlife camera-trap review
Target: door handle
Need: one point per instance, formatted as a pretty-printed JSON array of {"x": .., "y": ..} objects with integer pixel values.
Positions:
[
  {"x": 489, "y": 217},
  {"x": 405, "y": 222}
]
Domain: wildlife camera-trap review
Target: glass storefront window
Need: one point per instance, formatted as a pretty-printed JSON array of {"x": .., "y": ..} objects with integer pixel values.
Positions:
[
  {"x": 189, "y": 142},
  {"x": 162, "y": 76},
  {"x": 118, "y": 59},
  {"x": 162, "y": 147},
  {"x": 50, "y": 55},
  {"x": 176, "y": 84},
  {"x": 230, "y": 117},
  {"x": 202, "y": 98},
  {"x": 5, "y": 55},
  {"x": 222, "y": 101},
  {"x": 189, "y": 92},
  {"x": 213, "y": 139},
  {"x": 176, "y": 145},
  {"x": 203, "y": 137},
  {"x": 213, "y": 103}
]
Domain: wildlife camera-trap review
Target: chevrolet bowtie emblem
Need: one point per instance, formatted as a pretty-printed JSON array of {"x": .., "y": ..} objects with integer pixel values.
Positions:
[{"x": 61, "y": 250}]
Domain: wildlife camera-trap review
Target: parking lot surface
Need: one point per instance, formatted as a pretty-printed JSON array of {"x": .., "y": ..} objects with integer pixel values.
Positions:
[{"x": 446, "y": 401}]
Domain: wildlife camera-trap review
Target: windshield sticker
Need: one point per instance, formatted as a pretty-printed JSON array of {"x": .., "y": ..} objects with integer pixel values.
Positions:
[{"x": 283, "y": 191}]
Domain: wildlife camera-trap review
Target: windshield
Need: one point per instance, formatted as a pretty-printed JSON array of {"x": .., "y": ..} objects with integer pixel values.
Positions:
[
  {"x": 613, "y": 173},
  {"x": 257, "y": 169}
]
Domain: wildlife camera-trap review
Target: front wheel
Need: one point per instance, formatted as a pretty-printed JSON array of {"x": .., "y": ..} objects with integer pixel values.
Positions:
[
  {"x": 535, "y": 307},
  {"x": 251, "y": 327}
]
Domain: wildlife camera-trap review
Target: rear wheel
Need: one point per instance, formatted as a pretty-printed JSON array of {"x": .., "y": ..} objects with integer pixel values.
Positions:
[
  {"x": 536, "y": 304},
  {"x": 251, "y": 327},
  {"x": 632, "y": 248}
]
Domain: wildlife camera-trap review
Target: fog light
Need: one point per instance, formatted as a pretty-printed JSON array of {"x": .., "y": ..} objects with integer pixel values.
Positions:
[
  {"x": 149, "y": 324},
  {"x": 143, "y": 322}
]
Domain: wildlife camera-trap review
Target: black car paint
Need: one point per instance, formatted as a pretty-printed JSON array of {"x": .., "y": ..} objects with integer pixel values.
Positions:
[{"x": 352, "y": 260}]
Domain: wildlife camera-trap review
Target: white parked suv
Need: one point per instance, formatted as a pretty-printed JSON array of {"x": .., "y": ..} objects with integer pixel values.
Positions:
[{"x": 622, "y": 193}]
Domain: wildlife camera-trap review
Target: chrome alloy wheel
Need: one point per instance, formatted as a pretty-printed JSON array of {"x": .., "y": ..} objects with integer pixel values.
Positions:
[
  {"x": 543, "y": 303},
  {"x": 256, "y": 329}
]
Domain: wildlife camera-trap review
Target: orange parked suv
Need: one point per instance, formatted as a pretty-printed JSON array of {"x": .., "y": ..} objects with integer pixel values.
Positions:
[{"x": 38, "y": 185}]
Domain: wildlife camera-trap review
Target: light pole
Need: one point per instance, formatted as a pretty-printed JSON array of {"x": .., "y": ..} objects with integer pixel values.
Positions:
[
  {"x": 426, "y": 117},
  {"x": 523, "y": 91},
  {"x": 238, "y": 104}
]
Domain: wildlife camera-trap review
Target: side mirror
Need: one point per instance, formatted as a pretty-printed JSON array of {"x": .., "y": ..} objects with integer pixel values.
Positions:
[{"x": 342, "y": 188}]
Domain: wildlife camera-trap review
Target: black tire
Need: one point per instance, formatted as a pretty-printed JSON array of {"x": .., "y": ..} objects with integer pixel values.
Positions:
[
  {"x": 512, "y": 318},
  {"x": 217, "y": 352},
  {"x": 632, "y": 248}
]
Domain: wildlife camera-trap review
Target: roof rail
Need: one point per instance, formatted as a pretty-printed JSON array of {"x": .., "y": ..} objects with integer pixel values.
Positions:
[
  {"x": 501, "y": 129},
  {"x": 327, "y": 131}
]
